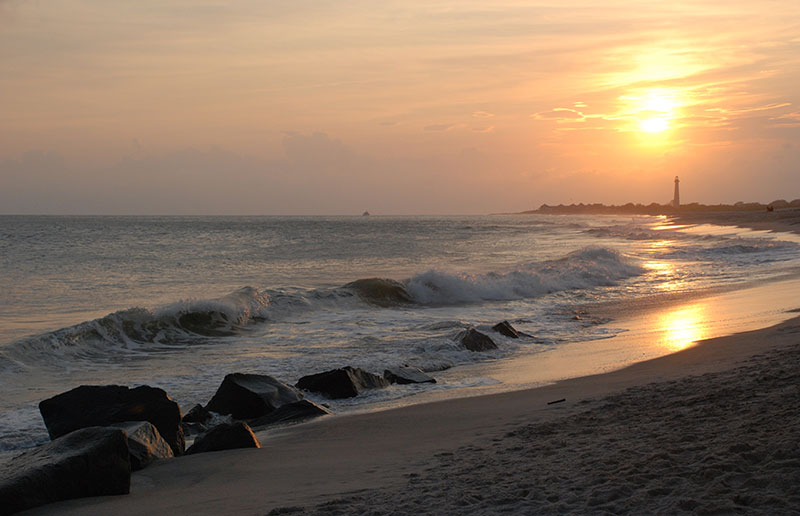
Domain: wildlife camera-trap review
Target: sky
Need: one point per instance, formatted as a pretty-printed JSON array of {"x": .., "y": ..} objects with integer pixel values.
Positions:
[{"x": 397, "y": 107}]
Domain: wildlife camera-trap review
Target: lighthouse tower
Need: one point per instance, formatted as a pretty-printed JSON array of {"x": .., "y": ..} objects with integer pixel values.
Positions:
[{"x": 676, "y": 200}]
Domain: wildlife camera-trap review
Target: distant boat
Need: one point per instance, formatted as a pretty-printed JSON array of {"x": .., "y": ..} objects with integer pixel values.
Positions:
[{"x": 365, "y": 214}]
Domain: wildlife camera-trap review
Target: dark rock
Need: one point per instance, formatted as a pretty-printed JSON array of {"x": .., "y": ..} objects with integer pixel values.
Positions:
[
  {"x": 88, "y": 462},
  {"x": 341, "y": 383},
  {"x": 102, "y": 405},
  {"x": 505, "y": 328},
  {"x": 248, "y": 396},
  {"x": 380, "y": 292},
  {"x": 291, "y": 412},
  {"x": 193, "y": 428},
  {"x": 145, "y": 444},
  {"x": 474, "y": 340},
  {"x": 227, "y": 436},
  {"x": 197, "y": 414},
  {"x": 405, "y": 375}
]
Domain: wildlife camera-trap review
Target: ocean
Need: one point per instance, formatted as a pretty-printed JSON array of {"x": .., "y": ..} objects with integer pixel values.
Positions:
[{"x": 178, "y": 302}]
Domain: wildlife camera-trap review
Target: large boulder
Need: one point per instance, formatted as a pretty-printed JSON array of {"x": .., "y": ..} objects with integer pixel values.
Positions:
[
  {"x": 248, "y": 396},
  {"x": 145, "y": 444},
  {"x": 87, "y": 462},
  {"x": 346, "y": 382},
  {"x": 505, "y": 328},
  {"x": 474, "y": 340},
  {"x": 103, "y": 405},
  {"x": 227, "y": 436},
  {"x": 405, "y": 375},
  {"x": 291, "y": 412}
]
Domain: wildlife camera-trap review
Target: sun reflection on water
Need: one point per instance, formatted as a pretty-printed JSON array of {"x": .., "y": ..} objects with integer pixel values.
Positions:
[{"x": 683, "y": 327}]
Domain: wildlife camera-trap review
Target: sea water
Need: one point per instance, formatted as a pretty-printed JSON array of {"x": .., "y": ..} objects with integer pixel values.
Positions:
[{"x": 178, "y": 302}]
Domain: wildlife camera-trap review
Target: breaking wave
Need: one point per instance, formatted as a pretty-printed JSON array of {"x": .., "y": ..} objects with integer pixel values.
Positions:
[
  {"x": 141, "y": 330},
  {"x": 193, "y": 322},
  {"x": 582, "y": 269}
]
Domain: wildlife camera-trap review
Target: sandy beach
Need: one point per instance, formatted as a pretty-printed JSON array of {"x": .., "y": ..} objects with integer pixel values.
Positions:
[{"x": 711, "y": 429}]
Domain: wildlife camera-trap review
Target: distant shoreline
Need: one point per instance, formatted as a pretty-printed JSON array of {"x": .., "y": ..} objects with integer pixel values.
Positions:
[
  {"x": 662, "y": 209},
  {"x": 752, "y": 216}
]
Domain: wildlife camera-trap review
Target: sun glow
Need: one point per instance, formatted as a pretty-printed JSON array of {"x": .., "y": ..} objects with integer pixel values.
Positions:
[
  {"x": 654, "y": 125},
  {"x": 654, "y": 109}
]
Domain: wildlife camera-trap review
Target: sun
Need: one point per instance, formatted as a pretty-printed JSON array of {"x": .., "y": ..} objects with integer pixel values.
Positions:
[
  {"x": 654, "y": 109},
  {"x": 654, "y": 125}
]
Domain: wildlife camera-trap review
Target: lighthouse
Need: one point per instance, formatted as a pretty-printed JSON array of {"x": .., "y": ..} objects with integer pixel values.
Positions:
[{"x": 676, "y": 200}]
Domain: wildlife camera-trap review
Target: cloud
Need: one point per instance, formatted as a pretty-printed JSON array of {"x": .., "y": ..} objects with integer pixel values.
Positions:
[
  {"x": 440, "y": 127},
  {"x": 482, "y": 114},
  {"x": 559, "y": 114}
]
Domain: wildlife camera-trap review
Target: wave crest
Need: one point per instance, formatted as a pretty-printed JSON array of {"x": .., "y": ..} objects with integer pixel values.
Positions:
[
  {"x": 139, "y": 329},
  {"x": 586, "y": 268}
]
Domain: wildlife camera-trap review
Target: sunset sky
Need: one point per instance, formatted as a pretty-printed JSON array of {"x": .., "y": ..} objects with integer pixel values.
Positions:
[{"x": 397, "y": 107}]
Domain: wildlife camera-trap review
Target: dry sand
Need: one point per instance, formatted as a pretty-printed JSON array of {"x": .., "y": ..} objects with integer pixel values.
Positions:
[{"x": 711, "y": 429}]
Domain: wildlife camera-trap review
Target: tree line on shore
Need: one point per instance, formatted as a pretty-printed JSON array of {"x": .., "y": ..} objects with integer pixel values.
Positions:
[{"x": 659, "y": 209}]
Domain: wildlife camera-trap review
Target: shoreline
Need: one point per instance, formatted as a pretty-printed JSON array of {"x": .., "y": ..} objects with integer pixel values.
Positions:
[
  {"x": 387, "y": 451},
  {"x": 785, "y": 220},
  {"x": 341, "y": 456}
]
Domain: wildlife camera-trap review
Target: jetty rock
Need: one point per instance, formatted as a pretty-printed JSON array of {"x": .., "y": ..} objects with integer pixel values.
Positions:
[
  {"x": 91, "y": 461},
  {"x": 474, "y": 340},
  {"x": 249, "y": 396},
  {"x": 346, "y": 382},
  {"x": 227, "y": 436},
  {"x": 197, "y": 414},
  {"x": 145, "y": 444},
  {"x": 505, "y": 328},
  {"x": 103, "y": 405},
  {"x": 405, "y": 375},
  {"x": 290, "y": 413}
]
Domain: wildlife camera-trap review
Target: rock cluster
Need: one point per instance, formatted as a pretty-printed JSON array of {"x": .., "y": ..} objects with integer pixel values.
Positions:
[
  {"x": 99, "y": 434},
  {"x": 103, "y": 405}
]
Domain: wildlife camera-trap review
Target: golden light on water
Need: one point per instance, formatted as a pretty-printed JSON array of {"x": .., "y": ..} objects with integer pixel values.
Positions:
[{"x": 683, "y": 327}]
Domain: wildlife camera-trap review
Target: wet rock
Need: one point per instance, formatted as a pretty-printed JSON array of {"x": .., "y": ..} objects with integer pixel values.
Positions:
[
  {"x": 474, "y": 340},
  {"x": 406, "y": 375},
  {"x": 227, "y": 436},
  {"x": 248, "y": 396},
  {"x": 505, "y": 328},
  {"x": 103, "y": 405},
  {"x": 380, "y": 292},
  {"x": 90, "y": 461},
  {"x": 346, "y": 382},
  {"x": 145, "y": 444},
  {"x": 291, "y": 412},
  {"x": 197, "y": 414}
]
